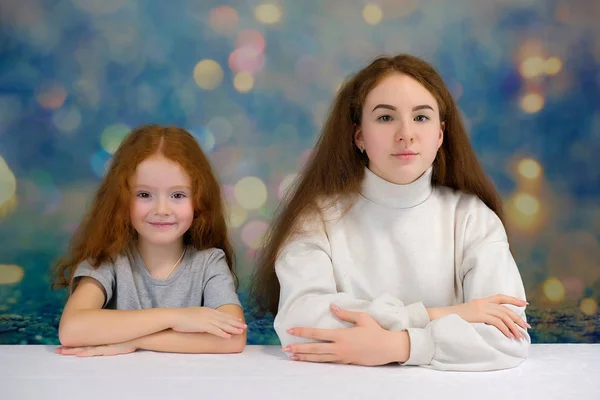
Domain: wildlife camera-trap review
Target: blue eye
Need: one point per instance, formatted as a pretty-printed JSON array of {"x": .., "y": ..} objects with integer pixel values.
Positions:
[
  {"x": 422, "y": 118},
  {"x": 385, "y": 118}
]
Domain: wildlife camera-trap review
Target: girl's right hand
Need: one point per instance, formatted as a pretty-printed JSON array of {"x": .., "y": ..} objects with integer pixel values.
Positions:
[
  {"x": 492, "y": 311},
  {"x": 208, "y": 320}
]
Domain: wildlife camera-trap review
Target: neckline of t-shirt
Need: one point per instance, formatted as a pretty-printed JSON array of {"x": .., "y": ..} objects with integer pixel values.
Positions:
[{"x": 163, "y": 282}]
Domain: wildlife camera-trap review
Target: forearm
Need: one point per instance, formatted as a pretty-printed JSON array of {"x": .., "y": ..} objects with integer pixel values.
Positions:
[
  {"x": 439, "y": 312},
  {"x": 398, "y": 346},
  {"x": 171, "y": 341},
  {"x": 451, "y": 343},
  {"x": 313, "y": 311},
  {"x": 97, "y": 327}
]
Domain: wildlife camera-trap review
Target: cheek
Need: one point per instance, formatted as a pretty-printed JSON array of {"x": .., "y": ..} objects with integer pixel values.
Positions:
[
  {"x": 138, "y": 209},
  {"x": 185, "y": 211}
]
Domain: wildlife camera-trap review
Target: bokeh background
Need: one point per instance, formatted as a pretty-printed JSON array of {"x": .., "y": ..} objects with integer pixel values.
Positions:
[{"x": 253, "y": 81}]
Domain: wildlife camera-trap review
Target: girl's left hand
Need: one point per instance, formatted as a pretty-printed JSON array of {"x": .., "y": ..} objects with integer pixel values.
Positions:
[
  {"x": 367, "y": 343},
  {"x": 103, "y": 350}
]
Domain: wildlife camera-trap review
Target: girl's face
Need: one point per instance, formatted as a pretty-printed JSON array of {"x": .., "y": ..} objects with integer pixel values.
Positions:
[
  {"x": 401, "y": 130},
  {"x": 161, "y": 208}
]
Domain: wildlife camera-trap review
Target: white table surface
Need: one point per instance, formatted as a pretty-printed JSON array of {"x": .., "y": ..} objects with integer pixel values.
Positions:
[{"x": 553, "y": 371}]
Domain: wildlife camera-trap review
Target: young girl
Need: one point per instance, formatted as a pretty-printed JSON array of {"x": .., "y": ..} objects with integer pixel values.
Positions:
[
  {"x": 150, "y": 267},
  {"x": 391, "y": 247}
]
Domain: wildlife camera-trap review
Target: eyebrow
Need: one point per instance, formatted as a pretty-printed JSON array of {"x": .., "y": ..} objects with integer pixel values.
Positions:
[
  {"x": 390, "y": 107},
  {"x": 180, "y": 187}
]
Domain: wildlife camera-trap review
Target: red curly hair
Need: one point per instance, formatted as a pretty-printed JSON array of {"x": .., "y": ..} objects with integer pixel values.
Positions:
[{"x": 106, "y": 231}]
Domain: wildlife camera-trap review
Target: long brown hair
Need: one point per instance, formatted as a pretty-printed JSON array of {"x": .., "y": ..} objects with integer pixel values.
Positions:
[
  {"x": 106, "y": 231},
  {"x": 336, "y": 168}
]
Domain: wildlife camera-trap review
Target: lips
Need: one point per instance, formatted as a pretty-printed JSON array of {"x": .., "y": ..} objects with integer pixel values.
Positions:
[{"x": 161, "y": 224}]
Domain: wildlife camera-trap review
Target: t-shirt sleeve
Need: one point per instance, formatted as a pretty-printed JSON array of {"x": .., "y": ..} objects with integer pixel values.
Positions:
[
  {"x": 105, "y": 274},
  {"x": 218, "y": 285}
]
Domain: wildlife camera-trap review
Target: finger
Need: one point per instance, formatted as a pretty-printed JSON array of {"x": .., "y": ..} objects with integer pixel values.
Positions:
[
  {"x": 519, "y": 321},
  {"x": 311, "y": 348},
  {"x": 508, "y": 322},
  {"x": 497, "y": 322},
  {"x": 319, "y": 358},
  {"x": 226, "y": 315},
  {"x": 504, "y": 299},
  {"x": 69, "y": 351},
  {"x": 231, "y": 320},
  {"x": 215, "y": 330},
  {"x": 91, "y": 351},
  {"x": 228, "y": 327},
  {"x": 345, "y": 315},
  {"x": 314, "y": 333}
]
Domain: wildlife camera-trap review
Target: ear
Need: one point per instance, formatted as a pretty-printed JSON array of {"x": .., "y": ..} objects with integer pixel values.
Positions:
[
  {"x": 441, "y": 138},
  {"x": 358, "y": 138}
]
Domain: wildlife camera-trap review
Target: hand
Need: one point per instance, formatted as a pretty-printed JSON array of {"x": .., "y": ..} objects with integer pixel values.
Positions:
[
  {"x": 103, "y": 350},
  {"x": 366, "y": 343},
  {"x": 489, "y": 310},
  {"x": 204, "y": 319}
]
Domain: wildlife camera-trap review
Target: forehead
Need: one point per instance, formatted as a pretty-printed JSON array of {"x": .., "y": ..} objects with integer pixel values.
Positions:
[
  {"x": 400, "y": 90},
  {"x": 158, "y": 170}
]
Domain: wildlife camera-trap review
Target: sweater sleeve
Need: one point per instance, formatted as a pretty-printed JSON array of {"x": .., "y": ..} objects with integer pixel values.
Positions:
[
  {"x": 308, "y": 289},
  {"x": 485, "y": 268}
]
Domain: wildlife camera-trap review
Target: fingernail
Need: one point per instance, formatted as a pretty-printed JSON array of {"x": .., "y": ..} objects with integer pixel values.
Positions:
[
  {"x": 335, "y": 308},
  {"x": 287, "y": 349},
  {"x": 529, "y": 326},
  {"x": 291, "y": 331},
  {"x": 295, "y": 357}
]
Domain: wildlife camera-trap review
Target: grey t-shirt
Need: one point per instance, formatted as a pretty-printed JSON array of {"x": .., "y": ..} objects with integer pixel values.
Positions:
[{"x": 202, "y": 279}]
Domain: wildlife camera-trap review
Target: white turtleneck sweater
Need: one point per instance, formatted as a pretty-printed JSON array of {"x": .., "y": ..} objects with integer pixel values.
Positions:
[{"x": 399, "y": 250}]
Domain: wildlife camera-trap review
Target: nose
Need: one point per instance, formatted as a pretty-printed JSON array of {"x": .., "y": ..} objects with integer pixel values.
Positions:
[
  {"x": 404, "y": 132},
  {"x": 162, "y": 206}
]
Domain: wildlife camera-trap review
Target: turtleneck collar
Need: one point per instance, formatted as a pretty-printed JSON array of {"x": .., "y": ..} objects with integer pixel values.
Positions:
[{"x": 388, "y": 194}]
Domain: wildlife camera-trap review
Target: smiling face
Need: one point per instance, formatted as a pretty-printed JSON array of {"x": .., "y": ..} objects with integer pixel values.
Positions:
[
  {"x": 161, "y": 208},
  {"x": 400, "y": 130}
]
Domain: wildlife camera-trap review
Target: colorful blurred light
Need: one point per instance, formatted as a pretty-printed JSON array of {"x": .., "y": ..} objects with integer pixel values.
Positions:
[
  {"x": 529, "y": 168},
  {"x": 10, "y": 274},
  {"x": 8, "y": 183},
  {"x": 554, "y": 290},
  {"x": 208, "y": 74},
  {"x": 589, "y": 306},
  {"x": 253, "y": 232},
  {"x": 221, "y": 129},
  {"x": 51, "y": 95},
  {"x": 250, "y": 38},
  {"x": 250, "y": 192},
  {"x": 532, "y": 67},
  {"x": 112, "y": 136},
  {"x": 237, "y": 216},
  {"x": 100, "y": 162},
  {"x": 532, "y": 102},
  {"x": 223, "y": 19},
  {"x": 372, "y": 14},
  {"x": 246, "y": 59},
  {"x": 67, "y": 119},
  {"x": 268, "y": 13},
  {"x": 527, "y": 204},
  {"x": 243, "y": 82}
]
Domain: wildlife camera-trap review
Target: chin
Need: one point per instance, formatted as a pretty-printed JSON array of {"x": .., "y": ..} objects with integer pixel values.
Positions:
[{"x": 162, "y": 239}]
